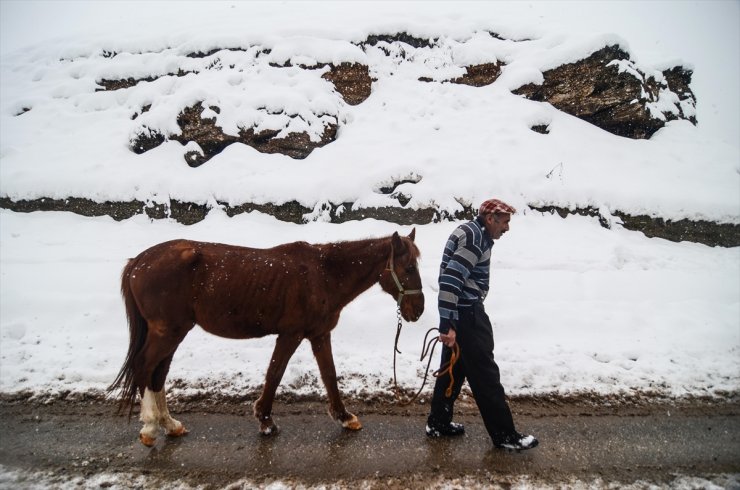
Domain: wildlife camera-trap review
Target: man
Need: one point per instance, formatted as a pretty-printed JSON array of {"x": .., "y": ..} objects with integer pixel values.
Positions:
[{"x": 463, "y": 285}]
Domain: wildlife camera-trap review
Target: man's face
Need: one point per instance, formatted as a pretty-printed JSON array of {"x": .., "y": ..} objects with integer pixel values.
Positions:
[{"x": 497, "y": 224}]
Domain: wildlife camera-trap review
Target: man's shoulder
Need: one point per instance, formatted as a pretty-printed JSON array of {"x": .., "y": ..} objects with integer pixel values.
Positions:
[{"x": 468, "y": 233}]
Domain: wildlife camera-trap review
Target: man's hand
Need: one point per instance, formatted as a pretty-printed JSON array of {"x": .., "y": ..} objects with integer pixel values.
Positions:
[{"x": 448, "y": 339}]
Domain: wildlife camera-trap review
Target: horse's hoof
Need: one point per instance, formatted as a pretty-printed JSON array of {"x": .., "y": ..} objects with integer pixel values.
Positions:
[
  {"x": 269, "y": 430},
  {"x": 147, "y": 440},
  {"x": 353, "y": 423},
  {"x": 178, "y": 432}
]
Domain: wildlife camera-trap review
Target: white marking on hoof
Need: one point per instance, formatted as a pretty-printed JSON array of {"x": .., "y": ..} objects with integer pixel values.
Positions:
[
  {"x": 150, "y": 416},
  {"x": 146, "y": 440},
  {"x": 268, "y": 430},
  {"x": 149, "y": 409},
  {"x": 353, "y": 423},
  {"x": 172, "y": 426},
  {"x": 176, "y": 429}
]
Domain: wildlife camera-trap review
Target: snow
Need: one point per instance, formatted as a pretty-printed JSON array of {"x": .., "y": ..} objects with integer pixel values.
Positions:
[
  {"x": 575, "y": 307},
  {"x": 40, "y": 480}
]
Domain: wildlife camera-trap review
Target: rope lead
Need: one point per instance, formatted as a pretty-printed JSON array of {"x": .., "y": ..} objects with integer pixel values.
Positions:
[{"x": 427, "y": 350}]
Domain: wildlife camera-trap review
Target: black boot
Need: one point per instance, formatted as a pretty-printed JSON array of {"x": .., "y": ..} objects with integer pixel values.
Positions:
[
  {"x": 517, "y": 442},
  {"x": 435, "y": 429}
]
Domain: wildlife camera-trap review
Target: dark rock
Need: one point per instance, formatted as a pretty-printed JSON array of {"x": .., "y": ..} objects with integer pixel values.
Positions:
[
  {"x": 400, "y": 216},
  {"x": 187, "y": 213},
  {"x": 212, "y": 140},
  {"x": 706, "y": 232},
  {"x": 389, "y": 189},
  {"x": 402, "y": 37},
  {"x": 291, "y": 211},
  {"x": 84, "y": 207},
  {"x": 475, "y": 75},
  {"x": 700, "y": 231},
  {"x": 203, "y": 131},
  {"x": 142, "y": 111},
  {"x": 206, "y": 54},
  {"x": 678, "y": 79},
  {"x": 594, "y": 90},
  {"x": 146, "y": 140},
  {"x": 351, "y": 80},
  {"x": 294, "y": 145},
  {"x": 124, "y": 83},
  {"x": 480, "y": 75},
  {"x": 541, "y": 128}
]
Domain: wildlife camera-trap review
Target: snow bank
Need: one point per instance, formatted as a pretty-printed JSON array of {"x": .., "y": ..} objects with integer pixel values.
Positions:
[{"x": 575, "y": 308}]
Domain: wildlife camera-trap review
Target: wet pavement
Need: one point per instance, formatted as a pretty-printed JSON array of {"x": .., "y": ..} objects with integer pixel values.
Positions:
[{"x": 620, "y": 444}]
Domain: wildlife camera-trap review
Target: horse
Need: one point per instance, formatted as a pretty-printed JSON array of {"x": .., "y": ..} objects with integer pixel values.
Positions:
[{"x": 295, "y": 291}]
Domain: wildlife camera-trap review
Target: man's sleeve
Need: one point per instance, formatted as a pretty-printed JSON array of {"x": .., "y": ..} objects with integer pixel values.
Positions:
[{"x": 464, "y": 254}]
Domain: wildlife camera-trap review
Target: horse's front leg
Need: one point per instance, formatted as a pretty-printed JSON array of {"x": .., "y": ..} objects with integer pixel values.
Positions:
[
  {"x": 285, "y": 346},
  {"x": 322, "y": 351}
]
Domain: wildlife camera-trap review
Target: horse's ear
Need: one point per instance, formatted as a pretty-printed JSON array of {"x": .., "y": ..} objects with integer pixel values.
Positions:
[
  {"x": 396, "y": 242},
  {"x": 412, "y": 235}
]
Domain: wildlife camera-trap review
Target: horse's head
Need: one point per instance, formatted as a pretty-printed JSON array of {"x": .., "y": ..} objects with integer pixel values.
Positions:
[{"x": 401, "y": 277}]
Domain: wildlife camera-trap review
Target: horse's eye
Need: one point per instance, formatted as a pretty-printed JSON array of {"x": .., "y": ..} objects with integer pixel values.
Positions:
[{"x": 411, "y": 269}]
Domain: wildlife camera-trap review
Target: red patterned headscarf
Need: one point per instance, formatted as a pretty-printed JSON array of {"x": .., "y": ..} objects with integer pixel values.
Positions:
[{"x": 495, "y": 206}]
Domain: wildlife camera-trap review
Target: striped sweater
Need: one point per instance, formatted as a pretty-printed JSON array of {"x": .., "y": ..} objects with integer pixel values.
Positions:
[{"x": 465, "y": 271}]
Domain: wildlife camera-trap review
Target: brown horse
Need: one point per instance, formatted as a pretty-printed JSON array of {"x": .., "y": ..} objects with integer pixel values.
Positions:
[{"x": 295, "y": 291}]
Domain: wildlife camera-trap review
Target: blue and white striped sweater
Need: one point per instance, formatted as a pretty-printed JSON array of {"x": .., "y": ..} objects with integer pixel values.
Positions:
[{"x": 465, "y": 271}]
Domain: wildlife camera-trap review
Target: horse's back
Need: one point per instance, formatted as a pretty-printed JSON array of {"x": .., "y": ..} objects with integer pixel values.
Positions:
[{"x": 229, "y": 290}]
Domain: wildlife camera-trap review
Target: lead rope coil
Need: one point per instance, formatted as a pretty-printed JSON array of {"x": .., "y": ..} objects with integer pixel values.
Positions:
[{"x": 428, "y": 347}]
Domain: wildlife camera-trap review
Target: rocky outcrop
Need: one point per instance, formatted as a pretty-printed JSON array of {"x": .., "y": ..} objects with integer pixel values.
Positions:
[
  {"x": 398, "y": 37},
  {"x": 124, "y": 83},
  {"x": 480, "y": 75},
  {"x": 351, "y": 80},
  {"x": 475, "y": 75},
  {"x": 212, "y": 140},
  {"x": 607, "y": 90},
  {"x": 705, "y": 232},
  {"x": 699, "y": 231}
]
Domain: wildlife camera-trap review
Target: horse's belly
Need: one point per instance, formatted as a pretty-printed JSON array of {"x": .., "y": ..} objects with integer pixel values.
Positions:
[{"x": 234, "y": 327}]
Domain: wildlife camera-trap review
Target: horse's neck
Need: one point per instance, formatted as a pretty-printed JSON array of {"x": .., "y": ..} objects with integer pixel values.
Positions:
[{"x": 353, "y": 267}]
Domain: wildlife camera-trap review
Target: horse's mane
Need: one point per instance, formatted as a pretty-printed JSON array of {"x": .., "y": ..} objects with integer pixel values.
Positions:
[
  {"x": 340, "y": 256},
  {"x": 366, "y": 244}
]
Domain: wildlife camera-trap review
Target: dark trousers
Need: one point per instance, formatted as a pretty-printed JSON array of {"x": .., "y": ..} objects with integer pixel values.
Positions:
[{"x": 476, "y": 364}]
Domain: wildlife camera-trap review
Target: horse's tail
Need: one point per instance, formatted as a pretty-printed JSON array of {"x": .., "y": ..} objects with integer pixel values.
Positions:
[{"x": 126, "y": 381}]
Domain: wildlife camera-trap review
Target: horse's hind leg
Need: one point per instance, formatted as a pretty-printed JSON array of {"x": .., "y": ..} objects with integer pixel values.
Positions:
[
  {"x": 171, "y": 426},
  {"x": 285, "y": 346},
  {"x": 150, "y": 416},
  {"x": 157, "y": 356},
  {"x": 322, "y": 351},
  {"x": 154, "y": 414}
]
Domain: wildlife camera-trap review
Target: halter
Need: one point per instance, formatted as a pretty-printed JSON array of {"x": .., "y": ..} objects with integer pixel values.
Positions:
[{"x": 401, "y": 291}]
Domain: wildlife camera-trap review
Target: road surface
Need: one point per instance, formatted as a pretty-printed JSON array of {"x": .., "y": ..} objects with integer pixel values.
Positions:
[{"x": 580, "y": 440}]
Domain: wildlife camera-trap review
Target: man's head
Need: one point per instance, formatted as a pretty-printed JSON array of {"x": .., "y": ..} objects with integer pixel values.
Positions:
[{"x": 495, "y": 216}]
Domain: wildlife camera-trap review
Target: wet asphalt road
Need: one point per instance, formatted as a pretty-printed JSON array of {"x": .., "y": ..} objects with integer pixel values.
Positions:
[{"x": 653, "y": 443}]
